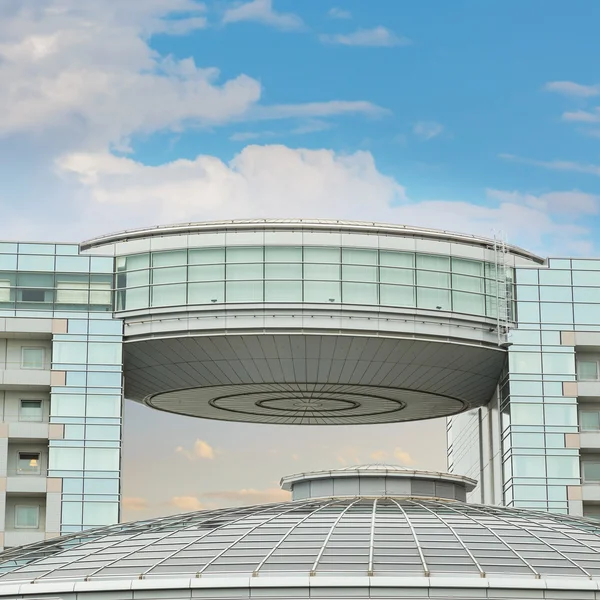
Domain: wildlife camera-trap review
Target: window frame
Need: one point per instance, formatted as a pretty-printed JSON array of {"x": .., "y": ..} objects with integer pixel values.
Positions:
[
  {"x": 29, "y": 420},
  {"x": 43, "y": 361},
  {"x": 30, "y": 453},
  {"x": 37, "y": 507},
  {"x": 583, "y": 469}
]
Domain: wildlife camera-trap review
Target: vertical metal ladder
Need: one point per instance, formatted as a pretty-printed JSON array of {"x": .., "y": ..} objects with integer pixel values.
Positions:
[{"x": 503, "y": 285}]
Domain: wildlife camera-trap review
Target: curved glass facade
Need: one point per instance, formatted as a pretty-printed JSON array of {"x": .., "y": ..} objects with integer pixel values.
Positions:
[{"x": 311, "y": 274}]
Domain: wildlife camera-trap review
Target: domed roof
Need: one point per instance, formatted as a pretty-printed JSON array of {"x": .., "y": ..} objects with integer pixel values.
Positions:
[{"x": 348, "y": 538}]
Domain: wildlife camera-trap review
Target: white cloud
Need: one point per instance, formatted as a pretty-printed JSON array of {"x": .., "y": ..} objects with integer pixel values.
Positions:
[
  {"x": 311, "y": 126},
  {"x": 570, "y": 204},
  {"x": 570, "y": 88},
  {"x": 317, "y": 109},
  {"x": 261, "y": 11},
  {"x": 339, "y": 13},
  {"x": 427, "y": 130},
  {"x": 200, "y": 449},
  {"x": 186, "y": 503},
  {"x": 556, "y": 165},
  {"x": 403, "y": 456},
  {"x": 134, "y": 503},
  {"x": 85, "y": 73},
  {"x": 582, "y": 116},
  {"x": 278, "y": 181},
  {"x": 377, "y": 36}
]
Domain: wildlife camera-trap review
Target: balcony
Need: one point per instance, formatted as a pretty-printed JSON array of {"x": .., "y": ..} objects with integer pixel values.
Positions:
[
  {"x": 14, "y": 377},
  {"x": 28, "y": 430}
]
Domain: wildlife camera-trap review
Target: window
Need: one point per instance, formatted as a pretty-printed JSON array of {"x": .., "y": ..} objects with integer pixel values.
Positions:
[
  {"x": 587, "y": 370},
  {"x": 30, "y": 410},
  {"x": 589, "y": 420},
  {"x": 27, "y": 517},
  {"x": 4, "y": 290},
  {"x": 591, "y": 470},
  {"x": 29, "y": 463},
  {"x": 32, "y": 358}
]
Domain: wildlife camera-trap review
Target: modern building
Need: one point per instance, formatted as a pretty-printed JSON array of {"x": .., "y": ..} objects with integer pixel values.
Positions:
[
  {"x": 305, "y": 322},
  {"x": 361, "y": 532}
]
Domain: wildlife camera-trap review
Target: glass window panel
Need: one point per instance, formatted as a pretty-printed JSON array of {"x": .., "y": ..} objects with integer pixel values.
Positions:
[
  {"x": 206, "y": 256},
  {"x": 468, "y": 284},
  {"x": 36, "y": 263},
  {"x": 587, "y": 294},
  {"x": 103, "y": 432},
  {"x": 27, "y": 516},
  {"x": 137, "y": 261},
  {"x": 554, "y": 277},
  {"x": 172, "y": 275},
  {"x": 70, "y": 352},
  {"x": 587, "y": 370},
  {"x": 103, "y": 379},
  {"x": 563, "y": 466},
  {"x": 102, "y": 459},
  {"x": 397, "y": 295},
  {"x": 283, "y": 291},
  {"x": 72, "y": 486},
  {"x": 586, "y": 278},
  {"x": 591, "y": 470},
  {"x": 169, "y": 295},
  {"x": 101, "y": 293},
  {"x": 283, "y": 254},
  {"x": 529, "y": 466},
  {"x": 4, "y": 290},
  {"x": 589, "y": 420},
  {"x": 321, "y": 255},
  {"x": 241, "y": 271},
  {"x": 359, "y": 257},
  {"x": 528, "y": 292},
  {"x": 73, "y": 292},
  {"x": 558, "y": 364},
  {"x": 137, "y": 278},
  {"x": 283, "y": 271},
  {"x": 8, "y": 262},
  {"x": 530, "y": 492},
  {"x": 556, "y": 294},
  {"x": 206, "y": 293},
  {"x": 101, "y": 486},
  {"x": 433, "y": 299},
  {"x": 321, "y": 271},
  {"x": 104, "y": 353},
  {"x": 525, "y": 362},
  {"x": 30, "y": 410},
  {"x": 136, "y": 298},
  {"x": 65, "y": 459},
  {"x": 206, "y": 273},
  {"x": 587, "y": 314},
  {"x": 244, "y": 254},
  {"x": 67, "y": 405},
  {"x": 29, "y": 463},
  {"x": 322, "y": 291},
  {"x": 560, "y": 414},
  {"x": 528, "y": 312},
  {"x": 356, "y": 273},
  {"x": 397, "y": 259},
  {"x": 169, "y": 258},
  {"x": 528, "y": 440},
  {"x": 556, "y": 312},
  {"x": 359, "y": 293},
  {"x": 403, "y": 276},
  {"x": 468, "y": 303},
  {"x": 73, "y": 264},
  {"x": 433, "y": 262},
  {"x": 433, "y": 279},
  {"x": 33, "y": 358},
  {"x": 71, "y": 513},
  {"x": 527, "y": 414},
  {"x": 244, "y": 291},
  {"x": 467, "y": 267},
  {"x": 100, "y": 513},
  {"x": 103, "y": 406}
]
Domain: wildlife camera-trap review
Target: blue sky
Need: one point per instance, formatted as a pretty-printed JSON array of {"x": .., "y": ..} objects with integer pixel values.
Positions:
[{"x": 463, "y": 114}]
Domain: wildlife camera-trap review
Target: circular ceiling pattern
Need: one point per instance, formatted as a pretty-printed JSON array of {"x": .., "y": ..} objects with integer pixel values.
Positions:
[{"x": 305, "y": 403}]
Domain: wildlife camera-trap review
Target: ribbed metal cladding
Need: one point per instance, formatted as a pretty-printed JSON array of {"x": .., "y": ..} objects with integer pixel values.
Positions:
[{"x": 347, "y": 537}]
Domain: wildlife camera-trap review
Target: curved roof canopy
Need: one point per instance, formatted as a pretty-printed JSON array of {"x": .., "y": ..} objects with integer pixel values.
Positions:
[{"x": 353, "y": 539}]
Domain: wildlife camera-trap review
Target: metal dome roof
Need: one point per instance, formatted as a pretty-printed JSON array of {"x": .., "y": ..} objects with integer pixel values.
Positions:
[{"x": 353, "y": 539}]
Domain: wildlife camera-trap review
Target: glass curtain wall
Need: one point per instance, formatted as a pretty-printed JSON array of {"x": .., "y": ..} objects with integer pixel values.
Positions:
[
  {"x": 256, "y": 274},
  {"x": 54, "y": 281}
]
